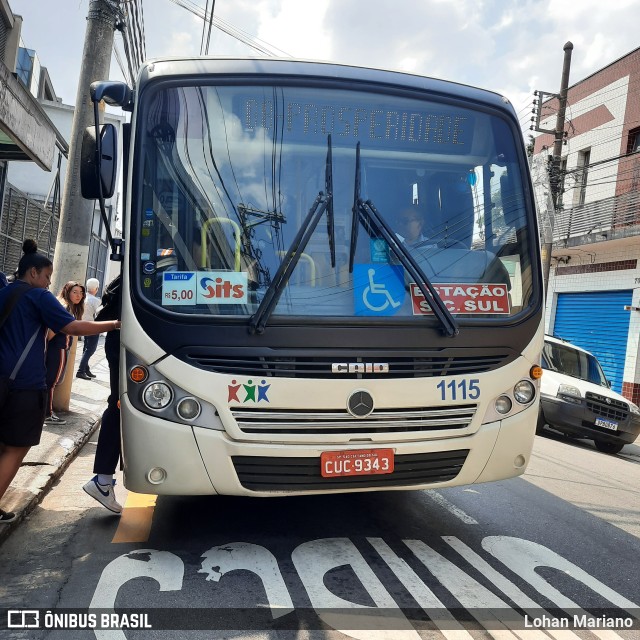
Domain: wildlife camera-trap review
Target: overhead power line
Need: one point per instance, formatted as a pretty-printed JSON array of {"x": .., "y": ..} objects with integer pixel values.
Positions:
[
  {"x": 255, "y": 43},
  {"x": 131, "y": 27},
  {"x": 125, "y": 71},
  {"x": 206, "y": 28}
]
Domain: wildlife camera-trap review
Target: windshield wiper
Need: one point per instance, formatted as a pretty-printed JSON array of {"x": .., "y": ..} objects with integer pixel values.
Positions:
[
  {"x": 355, "y": 218},
  {"x": 322, "y": 203},
  {"x": 328, "y": 188},
  {"x": 366, "y": 214}
]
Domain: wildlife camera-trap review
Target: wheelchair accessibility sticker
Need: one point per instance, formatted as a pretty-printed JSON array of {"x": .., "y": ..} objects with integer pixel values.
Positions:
[{"x": 378, "y": 289}]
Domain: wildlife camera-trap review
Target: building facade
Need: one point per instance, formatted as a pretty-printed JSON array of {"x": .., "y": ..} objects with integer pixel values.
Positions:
[
  {"x": 34, "y": 129},
  {"x": 593, "y": 294},
  {"x": 27, "y": 135},
  {"x": 38, "y": 186}
]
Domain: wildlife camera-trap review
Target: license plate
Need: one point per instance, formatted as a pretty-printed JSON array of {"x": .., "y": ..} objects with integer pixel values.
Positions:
[
  {"x": 363, "y": 462},
  {"x": 607, "y": 424}
]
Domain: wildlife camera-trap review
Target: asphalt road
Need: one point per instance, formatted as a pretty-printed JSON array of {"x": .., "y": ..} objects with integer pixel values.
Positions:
[{"x": 563, "y": 538}]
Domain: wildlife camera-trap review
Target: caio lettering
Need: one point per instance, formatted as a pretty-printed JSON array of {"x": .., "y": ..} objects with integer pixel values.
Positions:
[{"x": 360, "y": 367}]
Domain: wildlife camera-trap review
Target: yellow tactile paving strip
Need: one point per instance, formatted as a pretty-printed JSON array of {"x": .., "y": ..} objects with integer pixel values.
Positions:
[{"x": 136, "y": 518}]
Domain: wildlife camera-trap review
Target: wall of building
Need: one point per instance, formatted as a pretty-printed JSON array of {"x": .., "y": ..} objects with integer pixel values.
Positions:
[
  {"x": 602, "y": 268},
  {"x": 591, "y": 254},
  {"x": 597, "y": 122}
]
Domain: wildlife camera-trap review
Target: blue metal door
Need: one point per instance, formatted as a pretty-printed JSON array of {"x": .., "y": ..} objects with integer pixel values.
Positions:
[{"x": 597, "y": 322}]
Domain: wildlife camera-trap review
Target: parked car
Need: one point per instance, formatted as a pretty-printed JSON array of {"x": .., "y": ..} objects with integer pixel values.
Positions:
[{"x": 577, "y": 399}]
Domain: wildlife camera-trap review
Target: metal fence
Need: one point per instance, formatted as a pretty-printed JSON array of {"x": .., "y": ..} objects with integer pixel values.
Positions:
[
  {"x": 23, "y": 217},
  {"x": 615, "y": 217}
]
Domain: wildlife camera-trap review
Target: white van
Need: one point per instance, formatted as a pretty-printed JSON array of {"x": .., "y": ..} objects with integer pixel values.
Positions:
[{"x": 576, "y": 399}]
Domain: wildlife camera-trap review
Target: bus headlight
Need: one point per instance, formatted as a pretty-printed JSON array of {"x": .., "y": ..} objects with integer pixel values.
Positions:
[
  {"x": 514, "y": 400},
  {"x": 157, "y": 395},
  {"x": 503, "y": 404},
  {"x": 188, "y": 408},
  {"x": 524, "y": 392}
]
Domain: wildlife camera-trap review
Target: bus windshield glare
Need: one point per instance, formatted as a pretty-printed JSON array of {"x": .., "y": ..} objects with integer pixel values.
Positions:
[{"x": 230, "y": 176}]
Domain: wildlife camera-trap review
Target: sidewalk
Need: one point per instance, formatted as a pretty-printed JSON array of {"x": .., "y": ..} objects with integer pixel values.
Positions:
[{"x": 59, "y": 443}]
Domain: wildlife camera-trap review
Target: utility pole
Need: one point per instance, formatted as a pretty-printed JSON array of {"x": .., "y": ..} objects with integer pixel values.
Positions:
[
  {"x": 74, "y": 233},
  {"x": 555, "y": 180}
]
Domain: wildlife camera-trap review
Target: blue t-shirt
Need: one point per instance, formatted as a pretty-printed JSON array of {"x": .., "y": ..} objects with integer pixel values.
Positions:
[{"x": 38, "y": 308}]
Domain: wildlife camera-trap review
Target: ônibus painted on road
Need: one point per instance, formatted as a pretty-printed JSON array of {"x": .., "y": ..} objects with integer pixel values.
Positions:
[{"x": 332, "y": 279}]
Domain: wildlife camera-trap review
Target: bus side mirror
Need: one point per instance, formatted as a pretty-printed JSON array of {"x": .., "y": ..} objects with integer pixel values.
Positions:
[
  {"x": 93, "y": 168},
  {"x": 113, "y": 93}
]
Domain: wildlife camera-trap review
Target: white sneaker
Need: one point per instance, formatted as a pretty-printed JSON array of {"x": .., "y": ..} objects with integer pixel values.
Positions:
[{"x": 103, "y": 494}]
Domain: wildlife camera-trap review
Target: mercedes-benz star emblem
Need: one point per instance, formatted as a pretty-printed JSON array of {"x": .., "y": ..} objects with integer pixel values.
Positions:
[{"x": 360, "y": 404}]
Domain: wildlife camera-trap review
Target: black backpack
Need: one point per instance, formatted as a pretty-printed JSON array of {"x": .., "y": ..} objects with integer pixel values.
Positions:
[{"x": 111, "y": 301}]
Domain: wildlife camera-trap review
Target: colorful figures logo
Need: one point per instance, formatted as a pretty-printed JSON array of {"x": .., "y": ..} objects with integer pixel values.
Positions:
[{"x": 250, "y": 390}]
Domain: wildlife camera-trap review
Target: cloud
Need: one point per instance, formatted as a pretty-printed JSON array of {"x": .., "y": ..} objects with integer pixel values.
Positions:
[
  {"x": 179, "y": 43},
  {"x": 509, "y": 46},
  {"x": 283, "y": 24}
]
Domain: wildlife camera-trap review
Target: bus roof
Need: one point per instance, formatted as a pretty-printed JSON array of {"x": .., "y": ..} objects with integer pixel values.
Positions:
[{"x": 287, "y": 67}]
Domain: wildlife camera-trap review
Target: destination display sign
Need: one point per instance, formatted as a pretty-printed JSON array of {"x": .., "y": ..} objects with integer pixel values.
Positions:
[
  {"x": 400, "y": 123},
  {"x": 464, "y": 299}
]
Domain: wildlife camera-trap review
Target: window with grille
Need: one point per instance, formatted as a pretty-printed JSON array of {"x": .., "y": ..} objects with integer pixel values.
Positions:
[{"x": 582, "y": 172}]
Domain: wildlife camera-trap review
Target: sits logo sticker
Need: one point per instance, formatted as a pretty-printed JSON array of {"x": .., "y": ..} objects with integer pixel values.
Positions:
[
  {"x": 204, "y": 287},
  {"x": 222, "y": 287},
  {"x": 249, "y": 392}
]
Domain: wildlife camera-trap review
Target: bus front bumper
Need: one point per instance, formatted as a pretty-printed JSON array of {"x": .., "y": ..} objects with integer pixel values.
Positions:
[{"x": 162, "y": 457}]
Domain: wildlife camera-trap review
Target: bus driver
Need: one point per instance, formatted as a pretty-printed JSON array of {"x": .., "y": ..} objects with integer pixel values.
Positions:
[{"x": 411, "y": 225}]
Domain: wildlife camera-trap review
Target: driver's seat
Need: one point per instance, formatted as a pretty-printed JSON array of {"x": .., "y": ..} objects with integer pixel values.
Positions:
[{"x": 450, "y": 217}]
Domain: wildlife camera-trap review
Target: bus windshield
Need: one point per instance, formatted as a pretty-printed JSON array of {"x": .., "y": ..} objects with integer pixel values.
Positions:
[{"x": 230, "y": 174}]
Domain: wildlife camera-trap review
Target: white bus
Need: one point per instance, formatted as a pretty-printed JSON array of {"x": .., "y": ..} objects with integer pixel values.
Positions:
[{"x": 332, "y": 279}]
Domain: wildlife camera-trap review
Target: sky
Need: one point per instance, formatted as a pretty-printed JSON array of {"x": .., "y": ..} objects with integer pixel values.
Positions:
[{"x": 512, "y": 47}]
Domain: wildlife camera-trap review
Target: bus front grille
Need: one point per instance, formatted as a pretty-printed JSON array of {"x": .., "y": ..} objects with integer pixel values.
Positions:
[
  {"x": 336, "y": 422},
  {"x": 259, "y": 473},
  {"x": 435, "y": 363}
]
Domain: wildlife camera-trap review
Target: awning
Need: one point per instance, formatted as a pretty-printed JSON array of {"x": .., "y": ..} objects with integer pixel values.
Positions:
[{"x": 26, "y": 133}]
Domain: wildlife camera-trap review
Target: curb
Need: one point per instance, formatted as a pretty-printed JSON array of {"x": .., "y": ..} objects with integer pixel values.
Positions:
[{"x": 27, "y": 507}]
